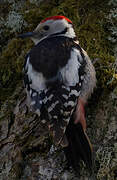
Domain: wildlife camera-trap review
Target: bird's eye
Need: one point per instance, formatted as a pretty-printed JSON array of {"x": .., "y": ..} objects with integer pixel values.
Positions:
[{"x": 46, "y": 27}]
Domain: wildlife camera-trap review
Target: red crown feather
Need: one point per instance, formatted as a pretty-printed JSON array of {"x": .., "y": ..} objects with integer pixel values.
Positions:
[{"x": 56, "y": 18}]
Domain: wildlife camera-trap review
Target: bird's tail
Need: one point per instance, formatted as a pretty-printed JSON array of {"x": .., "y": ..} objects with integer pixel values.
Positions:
[{"x": 79, "y": 147}]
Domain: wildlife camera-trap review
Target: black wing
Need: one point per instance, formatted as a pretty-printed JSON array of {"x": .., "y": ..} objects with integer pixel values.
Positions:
[{"x": 51, "y": 54}]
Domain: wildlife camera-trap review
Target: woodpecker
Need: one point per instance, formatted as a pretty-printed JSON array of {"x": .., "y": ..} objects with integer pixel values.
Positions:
[{"x": 59, "y": 78}]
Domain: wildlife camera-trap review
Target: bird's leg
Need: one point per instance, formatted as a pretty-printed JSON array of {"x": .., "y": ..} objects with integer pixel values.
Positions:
[{"x": 80, "y": 113}]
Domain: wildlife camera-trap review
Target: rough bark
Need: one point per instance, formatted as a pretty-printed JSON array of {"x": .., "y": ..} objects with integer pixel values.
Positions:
[{"x": 25, "y": 151}]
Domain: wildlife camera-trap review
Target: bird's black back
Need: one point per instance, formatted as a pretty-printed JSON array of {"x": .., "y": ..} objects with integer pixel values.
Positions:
[{"x": 51, "y": 54}]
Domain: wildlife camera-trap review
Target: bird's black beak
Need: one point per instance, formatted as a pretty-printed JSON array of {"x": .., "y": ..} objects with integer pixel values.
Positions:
[{"x": 28, "y": 34}]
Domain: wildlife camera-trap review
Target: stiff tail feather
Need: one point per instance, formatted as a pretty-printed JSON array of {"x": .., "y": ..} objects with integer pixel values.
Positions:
[{"x": 79, "y": 147}]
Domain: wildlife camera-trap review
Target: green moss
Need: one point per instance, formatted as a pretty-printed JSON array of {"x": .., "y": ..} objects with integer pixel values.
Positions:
[
  {"x": 11, "y": 64},
  {"x": 91, "y": 26}
]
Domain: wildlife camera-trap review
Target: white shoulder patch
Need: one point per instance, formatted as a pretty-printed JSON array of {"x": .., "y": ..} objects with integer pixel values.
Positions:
[
  {"x": 70, "y": 73},
  {"x": 37, "y": 79}
]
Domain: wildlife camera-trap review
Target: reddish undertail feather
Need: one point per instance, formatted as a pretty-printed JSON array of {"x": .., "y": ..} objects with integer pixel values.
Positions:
[
  {"x": 79, "y": 146},
  {"x": 56, "y": 18},
  {"x": 80, "y": 114},
  {"x": 80, "y": 117}
]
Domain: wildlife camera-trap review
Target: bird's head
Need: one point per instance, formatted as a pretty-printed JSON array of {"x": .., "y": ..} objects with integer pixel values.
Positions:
[{"x": 51, "y": 26}]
